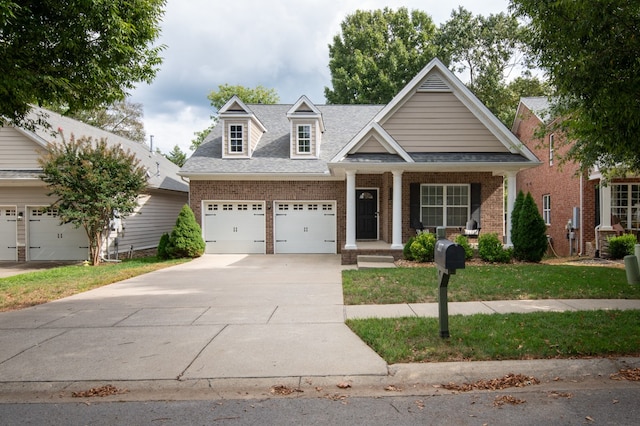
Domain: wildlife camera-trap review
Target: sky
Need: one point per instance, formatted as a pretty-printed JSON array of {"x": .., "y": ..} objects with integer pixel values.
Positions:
[{"x": 279, "y": 44}]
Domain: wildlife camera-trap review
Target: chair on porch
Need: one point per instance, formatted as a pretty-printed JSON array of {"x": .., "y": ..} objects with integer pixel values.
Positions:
[
  {"x": 471, "y": 229},
  {"x": 418, "y": 226}
]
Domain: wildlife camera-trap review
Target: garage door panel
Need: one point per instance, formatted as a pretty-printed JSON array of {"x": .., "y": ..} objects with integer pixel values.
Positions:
[
  {"x": 234, "y": 227},
  {"x": 49, "y": 240},
  {"x": 305, "y": 227},
  {"x": 8, "y": 236}
]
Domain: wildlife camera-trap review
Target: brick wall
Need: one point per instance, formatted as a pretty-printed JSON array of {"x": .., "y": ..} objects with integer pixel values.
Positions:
[{"x": 561, "y": 182}]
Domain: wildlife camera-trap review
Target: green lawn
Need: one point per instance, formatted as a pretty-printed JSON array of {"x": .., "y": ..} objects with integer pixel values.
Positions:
[
  {"x": 487, "y": 282},
  {"x": 34, "y": 288},
  {"x": 495, "y": 337}
]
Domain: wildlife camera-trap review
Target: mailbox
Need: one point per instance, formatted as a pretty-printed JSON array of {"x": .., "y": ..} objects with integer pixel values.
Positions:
[{"x": 448, "y": 256}]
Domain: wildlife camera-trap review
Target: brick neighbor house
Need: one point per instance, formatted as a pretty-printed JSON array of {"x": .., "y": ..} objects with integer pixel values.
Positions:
[
  {"x": 354, "y": 179},
  {"x": 562, "y": 194}
]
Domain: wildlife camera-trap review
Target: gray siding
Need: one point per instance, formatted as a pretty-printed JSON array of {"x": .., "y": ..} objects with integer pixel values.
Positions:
[
  {"x": 17, "y": 151},
  {"x": 439, "y": 122}
]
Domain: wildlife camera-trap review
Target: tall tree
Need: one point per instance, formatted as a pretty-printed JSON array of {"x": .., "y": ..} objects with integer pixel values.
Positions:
[
  {"x": 177, "y": 156},
  {"x": 123, "y": 118},
  {"x": 76, "y": 52},
  {"x": 377, "y": 53},
  {"x": 256, "y": 95},
  {"x": 92, "y": 180},
  {"x": 589, "y": 50}
]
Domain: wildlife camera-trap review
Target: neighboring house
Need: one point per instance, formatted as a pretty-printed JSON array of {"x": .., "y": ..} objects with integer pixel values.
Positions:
[
  {"x": 596, "y": 211},
  {"x": 354, "y": 179},
  {"x": 30, "y": 229}
]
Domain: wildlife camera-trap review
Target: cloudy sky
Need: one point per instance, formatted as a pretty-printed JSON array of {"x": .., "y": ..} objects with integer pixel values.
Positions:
[{"x": 280, "y": 44}]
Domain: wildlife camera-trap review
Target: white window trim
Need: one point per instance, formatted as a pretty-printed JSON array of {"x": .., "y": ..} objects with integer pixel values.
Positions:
[
  {"x": 444, "y": 204},
  {"x": 632, "y": 218},
  {"x": 551, "y": 148},
  {"x": 298, "y": 139},
  {"x": 231, "y": 152},
  {"x": 546, "y": 208}
]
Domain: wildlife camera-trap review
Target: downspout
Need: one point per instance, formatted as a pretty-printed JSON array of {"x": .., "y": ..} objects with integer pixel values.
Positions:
[{"x": 580, "y": 251}]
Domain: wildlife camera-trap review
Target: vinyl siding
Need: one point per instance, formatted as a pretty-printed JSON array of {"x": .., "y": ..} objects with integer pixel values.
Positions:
[
  {"x": 294, "y": 138},
  {"x": 156, "y": 214},
  {"x": 372, "y": 146},
  {"x": 225, "y": 145},
  {"x": 17, "y": 151},
  {"x": 255, "y": 134},
  {"x": 439, "y": 122}
]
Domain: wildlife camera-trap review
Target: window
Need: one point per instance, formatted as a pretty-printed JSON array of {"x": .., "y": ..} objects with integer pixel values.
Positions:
[
  {"x": 444, "y": 205},
  {"x": 235, "y": 138},
  {"x": 625, "y": 205},
  {"x": 546, "y": 208},
  {"x": 551, "y": 147},
  {"x": 304, "y": 139}
]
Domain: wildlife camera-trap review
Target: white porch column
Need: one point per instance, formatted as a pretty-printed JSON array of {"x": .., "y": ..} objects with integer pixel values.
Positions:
[
  {"x": 511, "y": 200},
  {"x": 605, "y": 208},
  {"x": 396, "y": 236},
  {"x": 350, "y": 243}
]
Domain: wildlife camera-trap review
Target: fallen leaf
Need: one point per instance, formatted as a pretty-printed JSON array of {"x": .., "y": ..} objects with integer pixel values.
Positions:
[
  {"x": 344, "y": 385},
  {"x": 509, "y": 381},
  {"x": 101, "y": 391},
  {"x": 392, "y": 388},
  {"x": 507, "y": 399},
  {"x": 590, "y": 418},
  {"x": 628, "y": 374},
  {"x": 283, "y": 390}
]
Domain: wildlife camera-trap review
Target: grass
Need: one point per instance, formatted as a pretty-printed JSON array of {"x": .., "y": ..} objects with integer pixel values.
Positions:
[
  {"x": 499, "y": 337},
  {"x": 488, "y": 282},
  {"x": 34, "y": 288}
]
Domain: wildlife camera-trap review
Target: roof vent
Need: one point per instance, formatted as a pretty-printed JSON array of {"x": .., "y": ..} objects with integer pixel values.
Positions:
[{"x": 434, "y": 83}]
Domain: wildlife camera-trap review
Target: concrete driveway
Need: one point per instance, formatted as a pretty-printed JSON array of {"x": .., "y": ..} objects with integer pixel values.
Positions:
[{"x": 219, "y": 316}]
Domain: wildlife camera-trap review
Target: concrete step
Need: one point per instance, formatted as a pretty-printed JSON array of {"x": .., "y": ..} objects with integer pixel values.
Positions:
[{"x": 373, "y": 261}]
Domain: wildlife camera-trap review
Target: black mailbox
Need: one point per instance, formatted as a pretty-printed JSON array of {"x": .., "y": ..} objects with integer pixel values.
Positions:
[{"x": 448, "y": 256}]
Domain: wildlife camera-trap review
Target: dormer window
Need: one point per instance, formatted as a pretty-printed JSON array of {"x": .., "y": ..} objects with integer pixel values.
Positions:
[
  {"x": 235, "y": 138},
  {"x": 304, "y": 139}
]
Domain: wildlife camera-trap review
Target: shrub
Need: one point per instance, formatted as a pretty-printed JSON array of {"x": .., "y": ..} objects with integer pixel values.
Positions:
[
  {"x": 186, "y": 238},
  {"x": 423, "y": 246},
  {"x": 464, "y": 242},
  {"x": 406, "y": 251},
  {"x": 162, "y": 246},
  {"x": 490, "y": 249},
  {"x": 515, "y": 216},
  {"x": 529, "y": 236},
  {"x": 622, "y": 246}
]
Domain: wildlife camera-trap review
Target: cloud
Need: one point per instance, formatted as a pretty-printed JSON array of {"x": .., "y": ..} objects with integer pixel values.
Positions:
[{"x": 280, "y": 44}]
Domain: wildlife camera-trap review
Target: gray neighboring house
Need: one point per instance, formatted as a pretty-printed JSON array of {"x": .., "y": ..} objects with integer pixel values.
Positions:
[
  {"x": 30, "y": 230},
  {"x": 354, "y": 179}
]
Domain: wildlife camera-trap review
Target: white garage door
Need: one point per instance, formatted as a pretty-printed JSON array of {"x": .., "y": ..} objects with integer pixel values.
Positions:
[
  {"x": 234, "y": 227},
  {"x": 8, "y": 250},
  {"x": 49, "y": 240},
  {"x": 305, "y": 227}
]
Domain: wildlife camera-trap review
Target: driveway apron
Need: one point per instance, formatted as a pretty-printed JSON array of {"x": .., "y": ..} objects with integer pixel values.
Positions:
[{"x": 219, "y": 316}]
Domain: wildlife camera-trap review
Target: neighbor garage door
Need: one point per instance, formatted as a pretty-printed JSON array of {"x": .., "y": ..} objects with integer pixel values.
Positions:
[
  {"x": 49, "y": 240},
  {"x": 8, "y": 223},
  {"x": 305, "y": 227},
  {"x": 234, "y": 227}
]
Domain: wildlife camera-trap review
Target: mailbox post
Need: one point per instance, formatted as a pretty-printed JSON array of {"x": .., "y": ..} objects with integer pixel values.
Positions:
[{"x": 448, "y": 257}]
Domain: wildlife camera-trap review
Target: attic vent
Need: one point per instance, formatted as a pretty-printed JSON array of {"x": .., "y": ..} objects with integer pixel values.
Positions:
[{"x": 434, "y": 83}]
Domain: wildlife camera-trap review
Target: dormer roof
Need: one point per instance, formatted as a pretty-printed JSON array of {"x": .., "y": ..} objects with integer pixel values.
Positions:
[{"x": 304, "y": 108}]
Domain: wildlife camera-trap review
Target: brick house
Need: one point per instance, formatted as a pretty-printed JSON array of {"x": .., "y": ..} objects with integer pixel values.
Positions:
[
  {"x": 354, "y": 179},
  {"x": 562, "y": 195}
]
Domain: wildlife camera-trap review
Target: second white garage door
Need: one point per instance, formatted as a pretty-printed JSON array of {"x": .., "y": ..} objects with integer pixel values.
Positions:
[
  {"x": 305, "y": 227},
  {"x": 234, "y": 227},
  {"x": 8, "y": 220},
  {"x": 49, "y": 240}
]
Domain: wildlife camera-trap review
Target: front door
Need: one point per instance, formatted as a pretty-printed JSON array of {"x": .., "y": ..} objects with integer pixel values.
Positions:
[{"x": 366, "y": 214}]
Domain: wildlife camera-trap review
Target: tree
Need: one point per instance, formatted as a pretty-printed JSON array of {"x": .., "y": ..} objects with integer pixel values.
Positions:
[
  {"x": 186, "y": 237},
  {"x": 92, "y": 180},
  {"x": 122, "y": 118},
  {"x": 377, "y": 54},
  {"x": 82, "y": 54},
  {"x": 516, "y": 233},
  {"x": 177, "y": 156},
  {"x": 589, "y": 51},
  {"x": 529, "y": 232},
  {"x": 257, "y": 95}
]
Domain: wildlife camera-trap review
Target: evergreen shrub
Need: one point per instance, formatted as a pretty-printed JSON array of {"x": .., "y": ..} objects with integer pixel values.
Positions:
[
  {"x": 622, "y": 245},
  {"x": 423, "y": 246},
  {"x": 490, "y": 249},
  {"x": 186, "y": 238},
  {"x": 464, "y": 242}
]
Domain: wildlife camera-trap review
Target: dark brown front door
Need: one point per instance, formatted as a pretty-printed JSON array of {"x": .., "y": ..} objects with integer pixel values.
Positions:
[{"x": 366, "y": 214}]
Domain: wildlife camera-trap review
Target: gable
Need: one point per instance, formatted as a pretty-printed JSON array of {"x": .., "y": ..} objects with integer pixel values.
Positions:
[
  {"x": 17, "y": 151},
  {"x": 437, "y": 121}
]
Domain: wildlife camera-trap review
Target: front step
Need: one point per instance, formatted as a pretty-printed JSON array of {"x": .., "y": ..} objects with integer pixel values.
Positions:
[{"x": 373, "y": 261}]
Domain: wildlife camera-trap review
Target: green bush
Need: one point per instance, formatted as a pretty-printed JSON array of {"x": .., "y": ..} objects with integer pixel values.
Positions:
[
  {"x": 490, "y": 249},
  {"x": 423, "y": 246},
  {"x": 622, "y": 246},
  {"x": 162, "y": 247},
  {"x": 186, "y": 238},
  {"x": 406, "y": 251},
  {"x": 529, "y": 233},
  {"x": 464, "y": 242}
]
